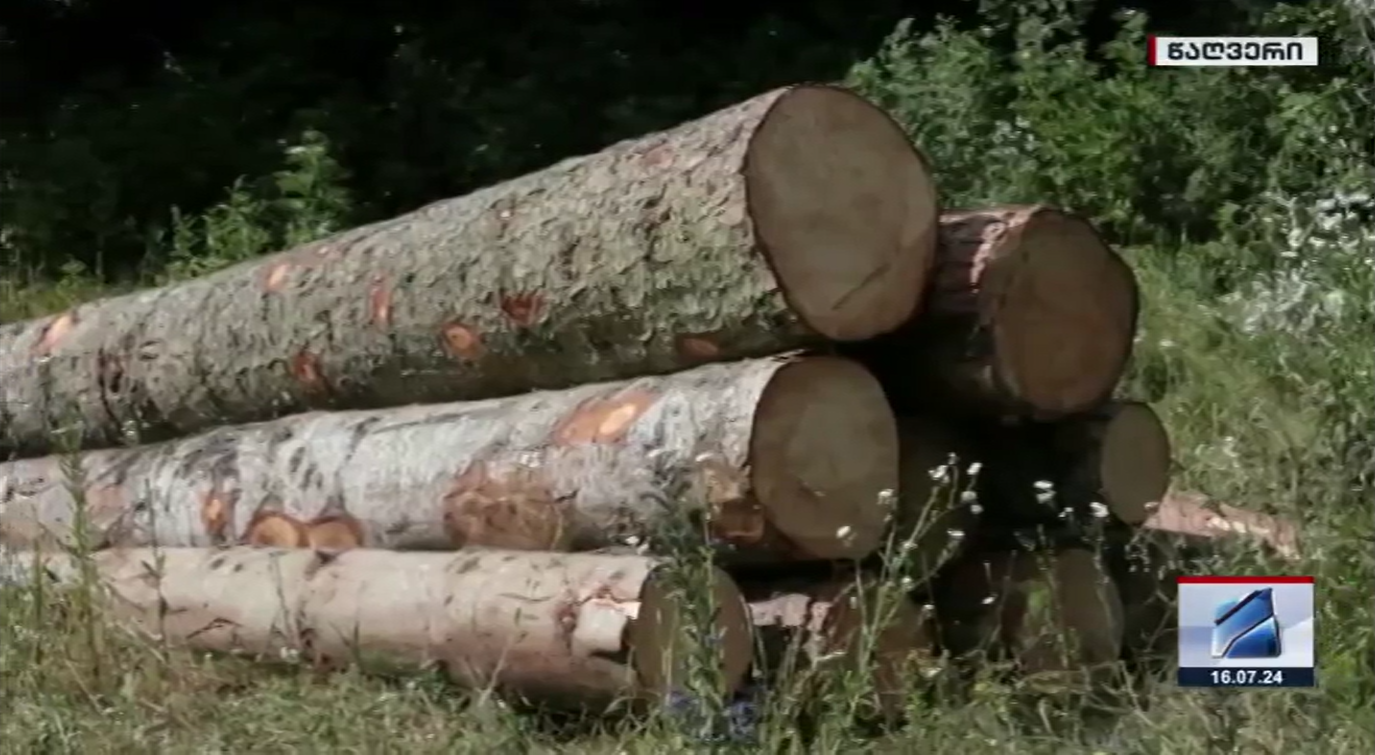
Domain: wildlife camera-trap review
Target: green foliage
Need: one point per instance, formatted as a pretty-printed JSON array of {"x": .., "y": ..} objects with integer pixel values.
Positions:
[{"x": 303, "y": 202}]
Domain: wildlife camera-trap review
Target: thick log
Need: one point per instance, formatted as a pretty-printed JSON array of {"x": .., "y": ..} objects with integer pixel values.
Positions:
[
  {"x": 1052, "y": 614},
  {"x": 1119, "y": 456},
  {"x": 1030, "y": 315},
  {"x": 569, "y": 630},
  {"x": 785, "y": 457},
  {"x": 843, "y": 625},
  {"x": 801, "y": 214}
]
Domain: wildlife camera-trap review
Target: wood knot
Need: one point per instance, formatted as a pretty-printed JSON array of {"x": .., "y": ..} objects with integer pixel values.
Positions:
[
  {"x": 523, "y": 309},
  {"x": 272, "y": 529},
  {"x": 54, "y": 332},
  {"x": 305, "y": 368},
  {"x": 603, "y": 420},
  {"x": 697, "y": 348},
  {"x": 516, "y": 511},
  {"x": 334, "y": 533},
  {"x": 461, "y": 341}
]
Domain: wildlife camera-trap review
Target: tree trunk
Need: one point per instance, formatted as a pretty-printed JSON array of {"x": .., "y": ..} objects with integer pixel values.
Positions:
[
  {"x": 800, "y": 214},
  {"x": 809, "y": 632},
  {"x": 1118, "y": 456},
  {"x": 1192, "y": 518},
  {"x": 1030, "y": 315},
  {"x": 937, "y": 506},
  {"x": 789, "y": 454},
  {"x": 1054, "y": 614},
  {"x": 565, "y": 629}
]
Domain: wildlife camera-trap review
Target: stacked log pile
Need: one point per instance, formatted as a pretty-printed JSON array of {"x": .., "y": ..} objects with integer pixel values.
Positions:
[{"x": 477, "y": 436}]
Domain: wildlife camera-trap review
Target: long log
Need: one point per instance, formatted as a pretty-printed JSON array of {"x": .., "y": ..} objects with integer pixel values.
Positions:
[
  {"x": 1193, "y": 519},
  {"x": 784, "y": 457},
  {"x": 570, "y": 630},
  {"x": 799, "y": 215},
  {"x": 843, "y": 625},
  {"x": 1030, "y": 315},
  {"x": 1052, "y": 614}
]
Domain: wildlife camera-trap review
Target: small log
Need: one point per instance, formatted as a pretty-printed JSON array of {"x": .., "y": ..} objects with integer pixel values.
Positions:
[
  {"x": 785, "y": 458},
  {"x": 1194, "y": 519},
  {"x": 937, "y": 505},
  {"x": 1118, "y": 455},
  {"x": 567, "y": 630},
  {"x": 799, "y": 215},
  {"x": 843, "y": 624},
  {"x": 1030, "y": 315},
  {"x": 1052, "y": 614}
]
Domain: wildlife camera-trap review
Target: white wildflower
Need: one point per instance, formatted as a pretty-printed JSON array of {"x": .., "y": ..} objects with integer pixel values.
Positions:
[
  {"x": 969, "y": 496},
  {"x": 1098, "y": 509},
  {"x": 975, "y": 467},
  {"x": 941, "y": 473},
  {"x": 844, "y": 532}
]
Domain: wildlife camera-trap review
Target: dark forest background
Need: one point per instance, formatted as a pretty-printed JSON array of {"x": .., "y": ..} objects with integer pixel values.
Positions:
[{"x": 116, "y": 111}]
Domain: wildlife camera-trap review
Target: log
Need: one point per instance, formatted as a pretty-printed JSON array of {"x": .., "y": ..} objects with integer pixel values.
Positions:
[
  {"x": 843, "y": 624},
  {"x": 799, "y": 215},
  {"x": 1030, "y": 315},
  {"x": 1193, "y": 519},
  {"x": 1051, "y": 614},
  {"x": 567, "y": 630},
  {"x": 935, "y": 510},
  {"x": 784, "y": 457},
  {"x": 1119, "y": 455}
]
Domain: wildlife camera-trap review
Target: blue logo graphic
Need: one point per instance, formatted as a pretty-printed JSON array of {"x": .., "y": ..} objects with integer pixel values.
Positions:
[{"x": 1246, "y": 627}]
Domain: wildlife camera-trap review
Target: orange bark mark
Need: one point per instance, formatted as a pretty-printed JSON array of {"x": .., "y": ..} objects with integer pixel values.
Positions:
[
  {"x": 54, "y": 332},
  {"x": 275, "y": 277},
  {"x": 697, "y": 347},
  {"x": 305, "y": 367},
  {"x": 379, "y": 303},
  {"x": 461, "y": 341},
  {"x": 274, "y": 529},
  {"x": 523, "y": 309},
  {"x": 603, "y": 420},
  {"x": 217, "y": 512},
  {"x": 515, "y": 511},
  {"x": 334, "y": 533}
]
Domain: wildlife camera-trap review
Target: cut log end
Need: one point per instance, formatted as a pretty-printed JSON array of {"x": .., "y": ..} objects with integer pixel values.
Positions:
[
  {"x": 845, "y": 211},
  {"x": 657, "y": 639},
  {"x": 1067, "y": 310},
  {"x": 824, "y": 449},
  {"x": 1134, "y": 462}
]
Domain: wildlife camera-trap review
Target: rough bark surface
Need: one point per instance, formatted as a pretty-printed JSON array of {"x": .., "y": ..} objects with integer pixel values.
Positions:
[
  {"x": 1030, "y": 315},
  {"x": 1119, "y": 456},
  {"x": 1049, "y": 612},
  {"x": 571, "y": 630},
  {"x": 785, "y": 457},
  {"x": 819, "y": 628},
  {"x": 800, "y": 214}
]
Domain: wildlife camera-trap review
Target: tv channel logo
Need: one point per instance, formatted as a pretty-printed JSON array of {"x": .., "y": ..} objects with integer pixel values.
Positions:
[{"x": 1246, "y": 632}]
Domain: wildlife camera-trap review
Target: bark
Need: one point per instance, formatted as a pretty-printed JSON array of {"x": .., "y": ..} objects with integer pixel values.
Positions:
[
  {"x": 801, "y": 214},
  {"x": 563, "y": 629},
  {"x": 937, "y": 506},
  {"x": 784, "y": 457},
  {"x": 1053, "y": 614},
  {"x": 811, "y": 632},
  {"x": 1030, "y": 315},
  {"x": 1118, "y": 456},
  {"x": 1191, "y": 518}
]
